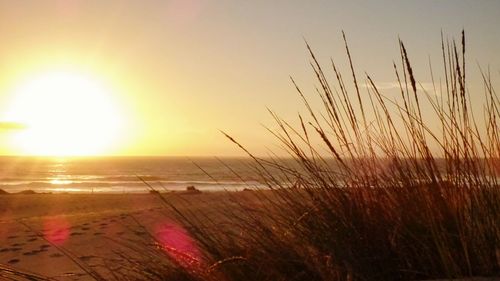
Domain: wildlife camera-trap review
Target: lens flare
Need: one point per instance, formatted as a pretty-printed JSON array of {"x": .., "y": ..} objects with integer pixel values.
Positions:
[
  {"x": 56, "y": 230},
  {"x": 179, "y": 245}
]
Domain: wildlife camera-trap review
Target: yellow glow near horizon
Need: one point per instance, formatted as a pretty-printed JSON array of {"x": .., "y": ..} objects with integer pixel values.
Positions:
[{"x": 65, "y": 113}]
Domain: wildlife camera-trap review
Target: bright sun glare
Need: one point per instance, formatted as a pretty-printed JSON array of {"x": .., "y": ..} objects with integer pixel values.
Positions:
[{"x": 65, "y": 113}]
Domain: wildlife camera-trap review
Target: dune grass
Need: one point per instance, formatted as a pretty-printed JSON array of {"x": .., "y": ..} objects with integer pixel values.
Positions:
[
  {"x": 374, "y": 187},
  {"x": 375, "y": 191}
]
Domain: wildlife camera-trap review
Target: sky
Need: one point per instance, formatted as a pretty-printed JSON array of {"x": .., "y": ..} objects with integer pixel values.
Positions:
[{"x": 182, "y": 70}]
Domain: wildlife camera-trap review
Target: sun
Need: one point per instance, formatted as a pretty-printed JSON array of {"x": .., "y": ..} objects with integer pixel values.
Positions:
[{"x": 64, "y": 113}]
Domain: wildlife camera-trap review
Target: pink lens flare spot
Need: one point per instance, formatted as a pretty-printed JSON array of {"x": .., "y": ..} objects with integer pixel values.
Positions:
[
  {"x": 56, "y": 230},
  {"x": 178, "y": 244}
]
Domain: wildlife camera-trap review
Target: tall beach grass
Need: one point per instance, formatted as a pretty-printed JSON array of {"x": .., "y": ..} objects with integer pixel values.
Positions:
[
  {"x": 375, "y": 192},
  {"x": 372, "y": 187}
]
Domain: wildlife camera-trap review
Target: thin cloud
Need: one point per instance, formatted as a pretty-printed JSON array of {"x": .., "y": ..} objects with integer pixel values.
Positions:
[
  {"x": 383, "y": 85},
  {"x": 425, "y": 86},
  {"x": 11, "y": 126}
]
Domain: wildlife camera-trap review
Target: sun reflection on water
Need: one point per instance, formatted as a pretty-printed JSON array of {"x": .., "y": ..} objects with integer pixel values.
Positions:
[{"x": 60, "y": 181}]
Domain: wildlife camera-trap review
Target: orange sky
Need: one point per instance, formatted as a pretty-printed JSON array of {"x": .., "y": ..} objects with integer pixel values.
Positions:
[{"x": 179, "y": 71}]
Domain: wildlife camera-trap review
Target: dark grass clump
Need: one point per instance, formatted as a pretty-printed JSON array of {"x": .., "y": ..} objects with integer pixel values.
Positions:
[{"x": 378, "y": 188}]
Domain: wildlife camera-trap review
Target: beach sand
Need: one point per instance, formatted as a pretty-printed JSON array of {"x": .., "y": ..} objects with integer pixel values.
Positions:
[{"x": 62, "y": 236}]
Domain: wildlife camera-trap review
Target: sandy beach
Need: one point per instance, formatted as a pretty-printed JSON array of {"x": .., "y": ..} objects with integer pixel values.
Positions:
[{"x": 61, "y": 236}]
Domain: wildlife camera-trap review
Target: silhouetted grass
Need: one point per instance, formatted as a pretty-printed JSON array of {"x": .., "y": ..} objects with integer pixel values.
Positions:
[{"x": 376, "y": 190}]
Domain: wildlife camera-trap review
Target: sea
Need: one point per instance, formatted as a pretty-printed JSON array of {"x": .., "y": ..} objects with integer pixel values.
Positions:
[{"x": 125, "y": 174}]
